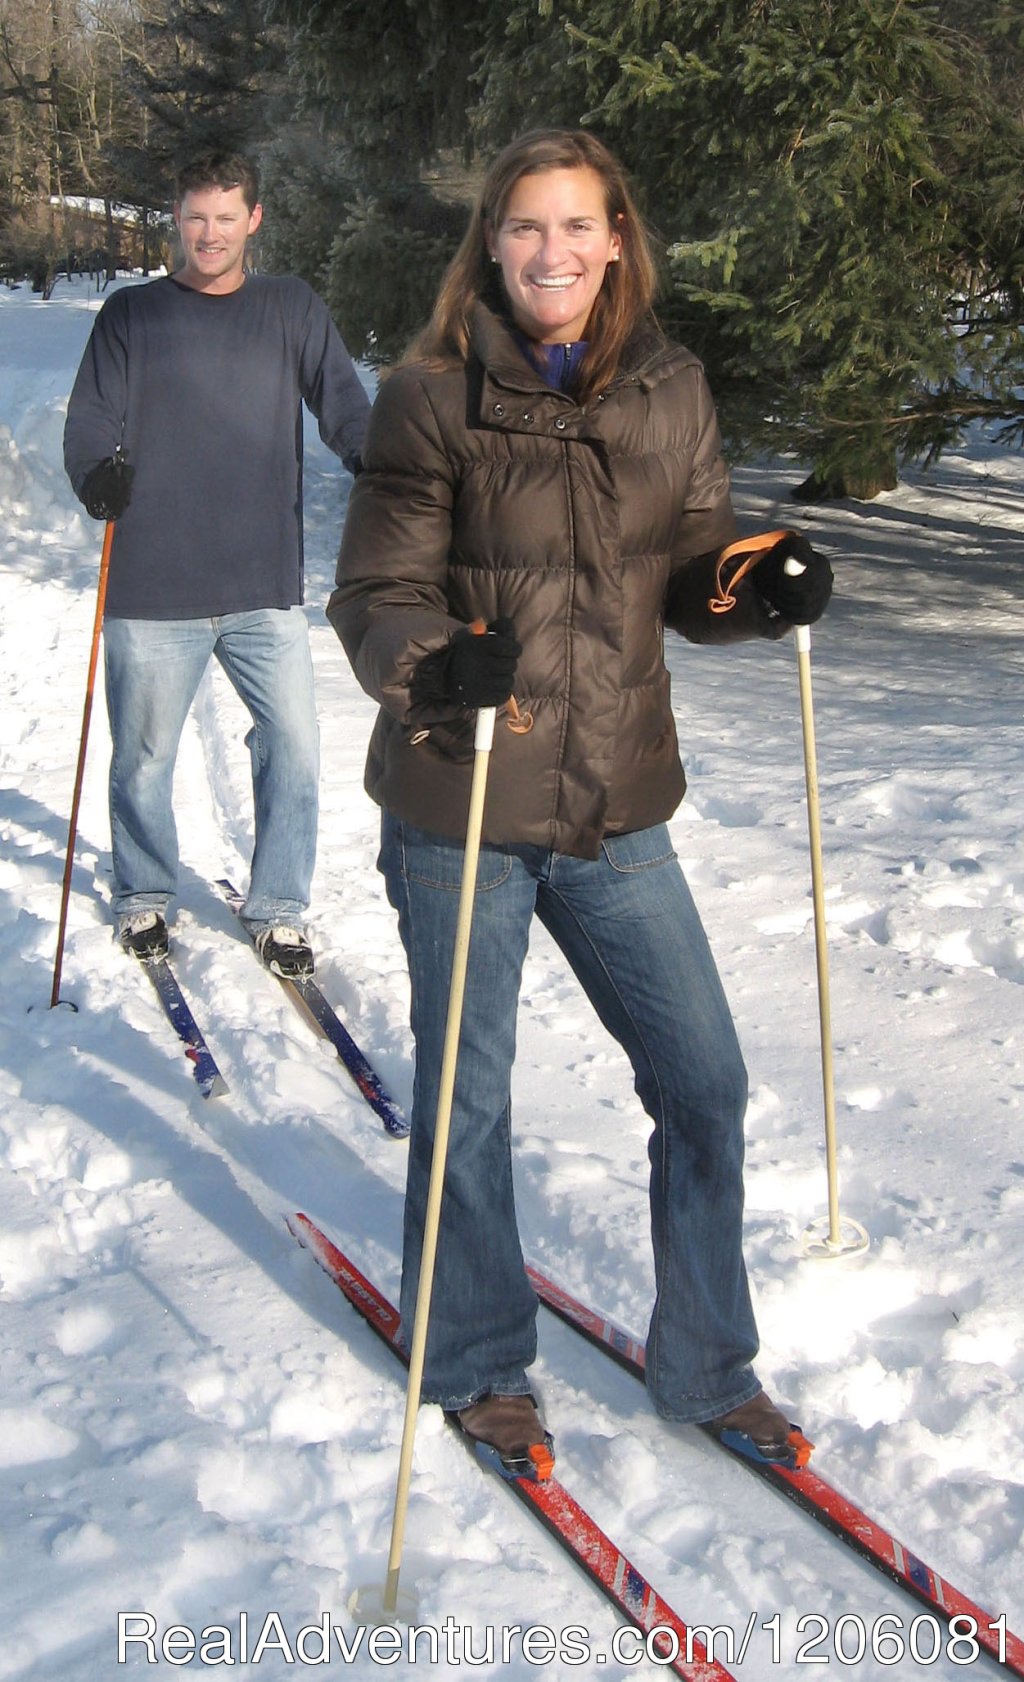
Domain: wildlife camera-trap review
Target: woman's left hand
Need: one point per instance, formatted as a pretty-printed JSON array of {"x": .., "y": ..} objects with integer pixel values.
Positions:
[{"x": 801, "y": 596}]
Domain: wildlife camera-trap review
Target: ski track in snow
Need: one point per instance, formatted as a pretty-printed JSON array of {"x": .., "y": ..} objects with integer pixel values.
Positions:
[{"x": 193, "y": 1423}]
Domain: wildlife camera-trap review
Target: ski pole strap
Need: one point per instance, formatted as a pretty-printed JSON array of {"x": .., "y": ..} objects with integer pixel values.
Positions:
[
  {"x": 520, "y": 723},
  {"x": 750, "y": 550}
]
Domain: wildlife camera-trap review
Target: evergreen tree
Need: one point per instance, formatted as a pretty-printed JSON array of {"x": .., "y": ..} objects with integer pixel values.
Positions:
[
  {"x": 393, "y": 79},
  {"x": 997, "y": 29},
  {"x": 836, "y": 185},
  {"x": 372, "y": 180},
  {"x": 839, "y": 188},
  {"x": 203, "y": 72},
  {"x": 375, "y": 256}
]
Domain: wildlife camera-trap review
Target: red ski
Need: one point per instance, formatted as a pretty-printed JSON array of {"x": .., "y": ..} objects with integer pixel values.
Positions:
[
  {"x": 800, "y": 1484},
  {"x": 568, "y": 1522}
]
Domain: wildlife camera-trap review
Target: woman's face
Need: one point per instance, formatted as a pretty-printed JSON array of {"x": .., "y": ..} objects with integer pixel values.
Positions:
[{"x": 554, "y": 245}]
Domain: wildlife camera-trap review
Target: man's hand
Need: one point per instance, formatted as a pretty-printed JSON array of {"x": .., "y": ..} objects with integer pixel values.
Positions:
[{"x": 107, "y": 489}]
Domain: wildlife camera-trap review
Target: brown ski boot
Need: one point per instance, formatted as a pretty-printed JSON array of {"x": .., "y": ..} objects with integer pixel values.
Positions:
[
  {"x": 768, "y": 1430},
  {"x": 510, "y": 1428}
]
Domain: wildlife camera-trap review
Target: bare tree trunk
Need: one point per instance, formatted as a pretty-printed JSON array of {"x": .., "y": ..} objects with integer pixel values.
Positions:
[{"x": 108, "y": 211}]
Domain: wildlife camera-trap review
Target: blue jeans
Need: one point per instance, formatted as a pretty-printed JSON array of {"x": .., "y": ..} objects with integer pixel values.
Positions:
[
  {"x": 153, "y": 669},
  {"x": 629, "y": 928}
]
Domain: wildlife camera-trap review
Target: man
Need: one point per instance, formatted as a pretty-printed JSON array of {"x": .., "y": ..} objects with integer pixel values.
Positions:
[{"x": 185, "y": 427}]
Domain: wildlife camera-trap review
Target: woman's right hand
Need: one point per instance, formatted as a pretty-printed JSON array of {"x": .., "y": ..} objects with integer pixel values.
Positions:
[{"x": 480, "y": 671}]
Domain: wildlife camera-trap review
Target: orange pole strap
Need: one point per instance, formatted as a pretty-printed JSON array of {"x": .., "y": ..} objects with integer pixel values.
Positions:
[{"x": 751, "y": 549}]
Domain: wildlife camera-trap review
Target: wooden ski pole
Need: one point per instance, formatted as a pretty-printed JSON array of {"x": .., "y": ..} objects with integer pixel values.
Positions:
[
  {"x": 449, "y": 1062},
  {"x": 368, "y": 1603},
  {"x": 101, "y": 598},
  {"x": 849, "y": 1237},
  {"x": 843, "y": 1237}
]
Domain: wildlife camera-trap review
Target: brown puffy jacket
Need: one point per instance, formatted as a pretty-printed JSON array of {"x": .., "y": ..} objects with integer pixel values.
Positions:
[{"x": 485, "y": 492}]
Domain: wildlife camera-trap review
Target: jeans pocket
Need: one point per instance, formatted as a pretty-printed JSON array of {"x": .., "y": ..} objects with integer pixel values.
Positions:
[
  {"x": 640, "y": 850},
  {"x": 436, "y": 861}
]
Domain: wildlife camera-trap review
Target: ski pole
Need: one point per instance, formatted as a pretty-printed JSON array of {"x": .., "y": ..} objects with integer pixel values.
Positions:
[
  {"x": 847, "y": 1237},
  {"x": 482, "y": 748},
  {"x": 101, "y": 597},
  {"x": 483, "y": 741}
]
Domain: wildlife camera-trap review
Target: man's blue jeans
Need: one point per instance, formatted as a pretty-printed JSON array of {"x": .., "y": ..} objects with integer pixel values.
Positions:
[
  {"x": 629, "y": 928},
  {"x": 153, "y": 669}
]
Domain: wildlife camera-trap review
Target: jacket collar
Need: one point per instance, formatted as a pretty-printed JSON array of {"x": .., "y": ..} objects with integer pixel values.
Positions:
[
  {"x": 495, "y": 344},
  {"x": 648, "y": 357}
]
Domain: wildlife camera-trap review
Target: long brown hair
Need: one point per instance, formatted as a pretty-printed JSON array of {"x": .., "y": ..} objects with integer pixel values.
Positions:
[{"x": 627, "y": 291}]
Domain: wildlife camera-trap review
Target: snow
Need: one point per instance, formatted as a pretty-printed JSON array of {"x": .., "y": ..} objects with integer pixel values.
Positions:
[{"x": 195, "y": 1427}]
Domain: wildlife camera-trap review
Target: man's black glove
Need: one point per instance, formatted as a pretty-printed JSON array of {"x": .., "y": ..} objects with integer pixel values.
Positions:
[
  {"x": 800, "y": 597},
  {"x": 107, "y": 489},
  {"x": 480, "y": 671}
]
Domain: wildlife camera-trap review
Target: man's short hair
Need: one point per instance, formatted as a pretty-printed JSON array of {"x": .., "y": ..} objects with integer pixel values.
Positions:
[{"x": 216, "y": 167}]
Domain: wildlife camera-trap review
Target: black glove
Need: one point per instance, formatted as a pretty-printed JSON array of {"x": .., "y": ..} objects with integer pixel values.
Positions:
[
  {"x": 801, "y": 597},
  {"x": 479, "y": 671},
  {"x": 107, "y": 489}
]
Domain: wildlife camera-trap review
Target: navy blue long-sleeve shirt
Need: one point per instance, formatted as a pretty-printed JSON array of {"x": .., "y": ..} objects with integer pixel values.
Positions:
[{"x": 204, "y": 393}]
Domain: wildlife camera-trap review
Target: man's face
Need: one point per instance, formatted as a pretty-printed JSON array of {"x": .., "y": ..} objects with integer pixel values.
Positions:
[{"x": 214, "y": 224}]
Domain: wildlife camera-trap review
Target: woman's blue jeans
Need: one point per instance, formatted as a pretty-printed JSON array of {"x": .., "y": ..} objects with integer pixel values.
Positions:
[
  {"x": 629, "y": 928},
  {"x": 153, "y": 669}
]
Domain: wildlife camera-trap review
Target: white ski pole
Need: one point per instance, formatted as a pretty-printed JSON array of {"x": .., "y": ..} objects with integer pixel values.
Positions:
[
  {"x": 836, "y": 1236},
  {"x": 371, "y": 1603},
  {"x": 833, "y": 1238}
]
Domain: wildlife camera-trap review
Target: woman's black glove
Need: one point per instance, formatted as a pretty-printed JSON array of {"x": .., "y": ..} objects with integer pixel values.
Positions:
[
  {"x": 480, "y": 671},
  {"x": 800, "y": 597},
  {"x": 107, "y": 489}
]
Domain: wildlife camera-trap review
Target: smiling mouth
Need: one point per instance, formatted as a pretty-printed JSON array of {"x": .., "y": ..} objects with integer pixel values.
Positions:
[{"x": 554, "y": 283}]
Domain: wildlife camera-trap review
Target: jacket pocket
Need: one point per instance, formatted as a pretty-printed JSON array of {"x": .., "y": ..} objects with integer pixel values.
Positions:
[{"x": 451, "y": 738}]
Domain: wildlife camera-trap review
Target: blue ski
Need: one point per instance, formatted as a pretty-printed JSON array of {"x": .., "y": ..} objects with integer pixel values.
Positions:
[
  {"x": 208, "y": 1077},
  {"x": 322, "y": 1016}
]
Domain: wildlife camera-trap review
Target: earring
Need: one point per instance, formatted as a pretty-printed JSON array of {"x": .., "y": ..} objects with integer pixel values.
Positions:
[{"x": 495, "y": 259}]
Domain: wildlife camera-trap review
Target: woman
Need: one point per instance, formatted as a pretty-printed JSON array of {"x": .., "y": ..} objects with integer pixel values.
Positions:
[{"x": 544, "y": 461}]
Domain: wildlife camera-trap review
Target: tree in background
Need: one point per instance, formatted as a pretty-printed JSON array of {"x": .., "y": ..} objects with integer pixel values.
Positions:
[
  {"x": 840, "y": 193},
  {"x": 836, "y": 186},
  {"x": 62, "y": 108},
  {"x": 201, "y": 72},
  {"x": 374, "y": 252},
  {"x": 102, "y": 99},
  {"x": 369, "y": 180},
  {"x": 997, "y": 29},
  {"x": 836, "y": 183}
]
